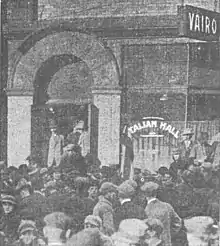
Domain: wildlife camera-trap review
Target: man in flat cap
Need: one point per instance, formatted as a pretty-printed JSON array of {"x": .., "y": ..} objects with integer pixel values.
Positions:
[
  {"x": 156, "y": 209},
  {"x": 57, "y": 228},
  {"x": 10, "y": 218},
  {"x": 127, "y": 209},
  {"x": 104, "y": 208}
]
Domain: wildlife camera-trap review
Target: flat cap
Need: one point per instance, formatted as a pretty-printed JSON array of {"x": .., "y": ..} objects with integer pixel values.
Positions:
[
  {"x": 108, "y": 187},
  {"x": 149, "y": 187},
  {"x": 94, "y": 220},
  {"x": 26, "y": 225},
  {"x": 125, "y": 190}
]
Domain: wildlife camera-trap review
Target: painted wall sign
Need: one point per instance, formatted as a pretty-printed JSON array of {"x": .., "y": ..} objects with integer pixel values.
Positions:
[
  {"x": 153, "y": 127},
  {"x": 199, "y": 23}
]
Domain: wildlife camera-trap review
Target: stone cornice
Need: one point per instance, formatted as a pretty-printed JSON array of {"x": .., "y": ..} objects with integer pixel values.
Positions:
[
  {"x": 105, "y": 90},
  {"x": 18, "y": 92}
]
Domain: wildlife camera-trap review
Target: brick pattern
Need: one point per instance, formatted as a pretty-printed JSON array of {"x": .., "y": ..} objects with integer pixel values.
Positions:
[
  {"x": 155, "y": 65},
  {"x": 68, "y": 8},
  {"x": 99, "y": 61}
]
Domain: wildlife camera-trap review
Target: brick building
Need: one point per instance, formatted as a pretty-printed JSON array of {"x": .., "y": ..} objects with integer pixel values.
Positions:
[{"x": 121, "y": 55}]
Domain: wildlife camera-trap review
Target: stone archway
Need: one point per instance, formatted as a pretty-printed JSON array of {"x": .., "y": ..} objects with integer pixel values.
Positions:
[{"x": 24, "y": 67}]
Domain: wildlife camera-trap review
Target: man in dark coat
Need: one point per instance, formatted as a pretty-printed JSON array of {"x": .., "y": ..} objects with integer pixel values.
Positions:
[
  {"x": 104, "y": 207},
  {"x": 32, "y": 201},
  {"x": 73, "y": 160},
  {"x": 10, "y": 219},
  {"x": 127, "y": 209},
  {"x": 156, "y": 209}
]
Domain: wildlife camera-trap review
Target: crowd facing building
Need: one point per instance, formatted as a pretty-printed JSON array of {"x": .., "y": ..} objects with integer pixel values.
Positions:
[
  {"x": 70, "y": 202},
  {"x": 75, "y": 77}
]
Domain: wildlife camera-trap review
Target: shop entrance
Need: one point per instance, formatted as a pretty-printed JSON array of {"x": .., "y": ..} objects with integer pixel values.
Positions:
[{"x": 66, "y": 116}]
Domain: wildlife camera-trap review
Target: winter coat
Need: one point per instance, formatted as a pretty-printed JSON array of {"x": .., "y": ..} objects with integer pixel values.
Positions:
[
  {"x": 128, "y": 210},
  {"x": 56, "y": 145},
  {"x": 166, "y": 214},
  {"x": 71, "y": 163},
  {"x": 104, "y": 210},
  {"x": 36, "y": 242},
  {"x": 9, "y": 225}
]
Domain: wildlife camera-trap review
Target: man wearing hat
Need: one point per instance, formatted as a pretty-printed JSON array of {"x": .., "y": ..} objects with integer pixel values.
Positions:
[
  {"x": 27, "y": 232},
  {"x": 201, "y": 151},
  {"x": 73, "y": 160},
  {"x": 104, "y": 207},
  {"x": 178, "y": 165},
  {"x": 57, "y": 228},
  {"x": 156, "y": 209},
  {"x": 186, "y": 145},
  {"x": 127, "y": 208},
  {"x": 130, "y": 232},
  {"x": 10, "y": 220},
  {"x": 56, "y": 145},
  {"x": 32, "y": 201}
]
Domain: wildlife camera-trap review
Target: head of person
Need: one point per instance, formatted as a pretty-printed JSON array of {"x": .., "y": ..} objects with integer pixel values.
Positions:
[
  {"x": 73, "y": 150},
  {"x": 57, "y": 227},
  {"x": 176, "y": 154},
  {"x": 93, "y": 188},
  {"x": 24, "y": 188},
  {"x": 33, "y": 162},
  {"x": 203, "y": 137},
  {"x": 155, "y": 228},
  {"x": 44, "y": 174},
  {"x": 8, "y": 203},
  {"x": 23, "y": 170},
  {"x": 109, "y": 191},
  {"x": 187, "y": 134},
  {"x": 27, "y": 231},
  {"x": 92, "y": 221},
  {"x": 126, "y": 191},
  {"x": 88, "y": 236},
  {"x": 131, "y": 232},
  {"x": 150, "y": 190},
  {"x": 57, "y": 173}
]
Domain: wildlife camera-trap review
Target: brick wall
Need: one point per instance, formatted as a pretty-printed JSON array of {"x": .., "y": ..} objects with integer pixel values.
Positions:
[
  {"x": 70, "y": 9},
  {"x": 155, "y": 65}
]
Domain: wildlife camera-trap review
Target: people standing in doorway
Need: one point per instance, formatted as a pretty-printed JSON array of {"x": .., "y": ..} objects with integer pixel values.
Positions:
[
  {"x": 56, "y": 145},
  {"x": 186, "y": 145},
  {"x": 201, "y": 151}
]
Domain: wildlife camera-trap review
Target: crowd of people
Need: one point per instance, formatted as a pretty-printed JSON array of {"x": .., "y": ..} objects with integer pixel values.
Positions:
[{"x": 73, "y": 204}]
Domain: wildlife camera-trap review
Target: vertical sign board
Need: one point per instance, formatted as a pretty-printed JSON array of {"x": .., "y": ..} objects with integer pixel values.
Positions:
[{"x": 198, "y": 23}]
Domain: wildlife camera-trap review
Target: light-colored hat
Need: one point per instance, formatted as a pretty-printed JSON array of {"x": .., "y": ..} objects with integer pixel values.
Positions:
[
  {"x": 90, "y": 237},
  {"x": 131, "y": 182},
  {"x": 94, "y": 220},
  {"x": 125, "y": 190},
  {"x": 130, "y": 230},
  {"x": 187, "y": 131},
  {"x": 108, "y": 187},
  {"x": 7, "y": 198},
  {"x": 26, "y": 225},
  {"x": 57, "y": 220},
  {"x": 149, "y": 187}
]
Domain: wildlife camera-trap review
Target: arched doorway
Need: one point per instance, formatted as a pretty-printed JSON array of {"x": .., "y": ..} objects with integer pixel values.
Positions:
[{"x": 39, "y": 63}]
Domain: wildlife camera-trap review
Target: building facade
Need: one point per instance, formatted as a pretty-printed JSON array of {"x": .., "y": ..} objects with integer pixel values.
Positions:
[{"x": 122, "y": 56}]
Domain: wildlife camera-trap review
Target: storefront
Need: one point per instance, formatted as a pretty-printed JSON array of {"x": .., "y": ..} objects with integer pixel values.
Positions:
[{"x": 122, "y": 62}]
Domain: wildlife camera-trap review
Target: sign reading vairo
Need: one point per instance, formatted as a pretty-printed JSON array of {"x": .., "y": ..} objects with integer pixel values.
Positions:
[
  {"x": 199, "y": 23},
  {"x": 153, "y": 127}
]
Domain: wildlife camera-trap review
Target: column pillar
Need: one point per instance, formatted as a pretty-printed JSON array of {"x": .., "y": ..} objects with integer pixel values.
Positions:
[
  {"x": 108, "y": 101},
  {"x": 19, "y": 127}
]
